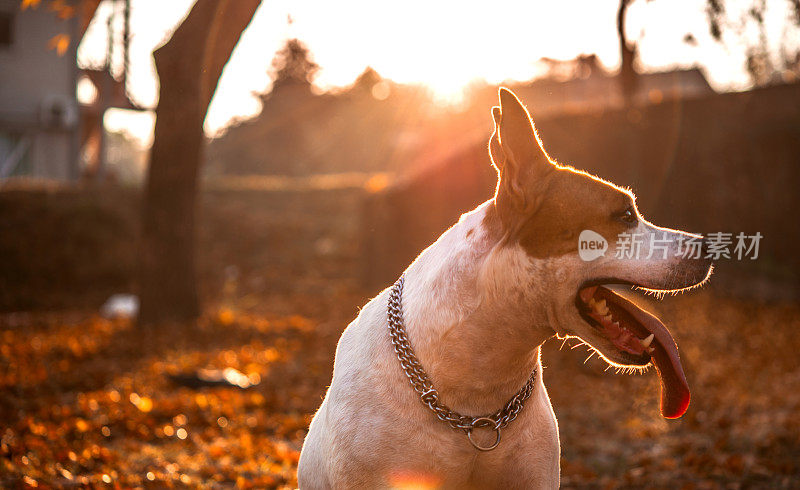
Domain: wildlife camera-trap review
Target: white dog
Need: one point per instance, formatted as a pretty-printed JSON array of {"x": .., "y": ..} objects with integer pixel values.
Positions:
[{"x": 438, "y": 383}]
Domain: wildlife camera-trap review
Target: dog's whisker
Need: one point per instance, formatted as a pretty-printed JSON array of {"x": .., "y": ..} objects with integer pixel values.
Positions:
[{"x": 580, "y": 343}]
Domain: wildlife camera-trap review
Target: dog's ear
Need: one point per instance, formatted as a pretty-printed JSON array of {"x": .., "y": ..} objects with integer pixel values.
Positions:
[
  {"x": 523, "y": 163},
  {"x": 495, "y": 152}
]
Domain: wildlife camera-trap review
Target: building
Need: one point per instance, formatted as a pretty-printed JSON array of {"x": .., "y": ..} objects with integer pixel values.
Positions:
[
  {"x": 43, "y": 128},
  {"x": 39, "y": 113}
]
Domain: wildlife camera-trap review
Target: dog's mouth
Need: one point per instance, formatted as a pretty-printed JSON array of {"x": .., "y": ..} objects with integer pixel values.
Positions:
[{"x": 640, "y": 337}]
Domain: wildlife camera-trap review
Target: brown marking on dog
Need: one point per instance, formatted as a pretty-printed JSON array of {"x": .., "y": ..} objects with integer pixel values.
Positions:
[{"x": 540, "y": 204}]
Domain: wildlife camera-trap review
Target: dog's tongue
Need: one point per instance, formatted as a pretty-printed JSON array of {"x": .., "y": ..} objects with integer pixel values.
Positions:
[{"x": 674, "y": 388}]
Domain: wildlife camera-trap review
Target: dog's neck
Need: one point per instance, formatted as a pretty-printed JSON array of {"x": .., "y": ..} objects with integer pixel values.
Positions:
[{"x": 469, "y": 315}]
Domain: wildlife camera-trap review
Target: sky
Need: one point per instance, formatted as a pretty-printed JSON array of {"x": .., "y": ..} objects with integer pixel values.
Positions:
[{"x": 443, "y": 44}]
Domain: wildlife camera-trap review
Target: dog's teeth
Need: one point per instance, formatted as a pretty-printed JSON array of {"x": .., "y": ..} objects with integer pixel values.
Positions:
[
  {"x": 650, "y": 350},
  {"x": 607, "y": 319},
  {"x": 646, "y": 342},
  {"x": 601, "y": 307}
]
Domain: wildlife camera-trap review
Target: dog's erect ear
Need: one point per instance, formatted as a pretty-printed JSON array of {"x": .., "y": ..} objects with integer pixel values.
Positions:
[
  {"x": 495, "y": 152},
  {"x": 522, "y": 161}
]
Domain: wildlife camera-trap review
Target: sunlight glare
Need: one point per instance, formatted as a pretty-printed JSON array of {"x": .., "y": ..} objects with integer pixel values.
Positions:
[
  {"x": 443, "y": 45},
  {"x": 414, "y": 481},
  {"x": 447, "y": 91}
]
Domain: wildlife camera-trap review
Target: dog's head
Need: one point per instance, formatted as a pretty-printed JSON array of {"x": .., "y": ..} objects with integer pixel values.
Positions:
[{"x": 582, "y": 233}]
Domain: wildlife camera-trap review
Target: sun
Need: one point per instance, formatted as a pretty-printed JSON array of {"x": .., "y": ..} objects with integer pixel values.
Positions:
[
  {"x": 447, "y": 82},
  {"x": 447, "y": 91}
]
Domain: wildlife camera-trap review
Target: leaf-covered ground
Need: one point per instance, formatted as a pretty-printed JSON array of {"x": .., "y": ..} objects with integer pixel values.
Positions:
[{"x": 86, "y": 402}]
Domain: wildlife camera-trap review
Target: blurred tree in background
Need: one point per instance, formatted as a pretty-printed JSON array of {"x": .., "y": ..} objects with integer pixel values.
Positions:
[
  {"x": 764, "y": 67},
  {"x": 627, "y": 54},
  {"x": 293, "y": 65},
  {"x": 189, "y": 66}
]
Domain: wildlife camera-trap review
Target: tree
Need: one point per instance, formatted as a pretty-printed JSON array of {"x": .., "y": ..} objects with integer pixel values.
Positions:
[
  {"x": 293, "y": 65},
  {"x": 627, "y": 74},
  {"x": 189, "y": 66},
  {"x": 764, "y": 66}
]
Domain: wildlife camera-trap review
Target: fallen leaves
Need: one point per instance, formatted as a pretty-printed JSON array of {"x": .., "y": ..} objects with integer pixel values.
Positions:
[
  {"x": 87, "y": 402},
  {"x": 741, "y": 429},
  {"x": 113, "y": 417},
  {"x": 144, "y": 404}
]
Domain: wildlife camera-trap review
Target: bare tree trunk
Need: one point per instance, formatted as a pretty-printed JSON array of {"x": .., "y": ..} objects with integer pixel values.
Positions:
[
  {"x": 627, "y": 74},
  {"x": 189, "y": 66}
]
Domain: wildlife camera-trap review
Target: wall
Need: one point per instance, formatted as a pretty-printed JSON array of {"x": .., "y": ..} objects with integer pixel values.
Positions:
[{"x": 30, "y": 72}]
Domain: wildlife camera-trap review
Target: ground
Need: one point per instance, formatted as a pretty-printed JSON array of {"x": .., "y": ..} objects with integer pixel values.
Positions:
[{"x": 87, "y": 401}]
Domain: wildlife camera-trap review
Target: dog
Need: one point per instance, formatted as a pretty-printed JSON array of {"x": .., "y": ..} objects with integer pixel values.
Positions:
[{"x": 474, "y": 309}]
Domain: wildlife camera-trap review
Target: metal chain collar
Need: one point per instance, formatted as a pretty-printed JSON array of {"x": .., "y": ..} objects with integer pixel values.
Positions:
[{"x": 428, "y": 394}]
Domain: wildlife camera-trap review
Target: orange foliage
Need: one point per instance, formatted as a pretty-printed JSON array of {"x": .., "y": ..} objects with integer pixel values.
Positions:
[
  {"x": 60, "y": 43},
  {"x": 30, "y": 4},
  {"x": 87, "y": 401},
  {"x": 64, "y": 11}
]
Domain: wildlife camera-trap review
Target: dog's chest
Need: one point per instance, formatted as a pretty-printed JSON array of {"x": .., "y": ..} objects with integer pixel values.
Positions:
[{"x": 527, "y": 456}]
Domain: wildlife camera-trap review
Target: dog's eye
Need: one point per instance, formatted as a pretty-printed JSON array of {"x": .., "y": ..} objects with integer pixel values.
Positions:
[{"x": 629, "y": 216}]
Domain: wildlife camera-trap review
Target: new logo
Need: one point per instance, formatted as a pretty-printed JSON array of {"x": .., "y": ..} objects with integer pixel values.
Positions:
[{"x": 591, "y": 245}]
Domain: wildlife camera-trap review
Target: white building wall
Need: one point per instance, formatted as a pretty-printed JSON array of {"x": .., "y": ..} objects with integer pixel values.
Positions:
[{"x": 32, "y": 78}]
